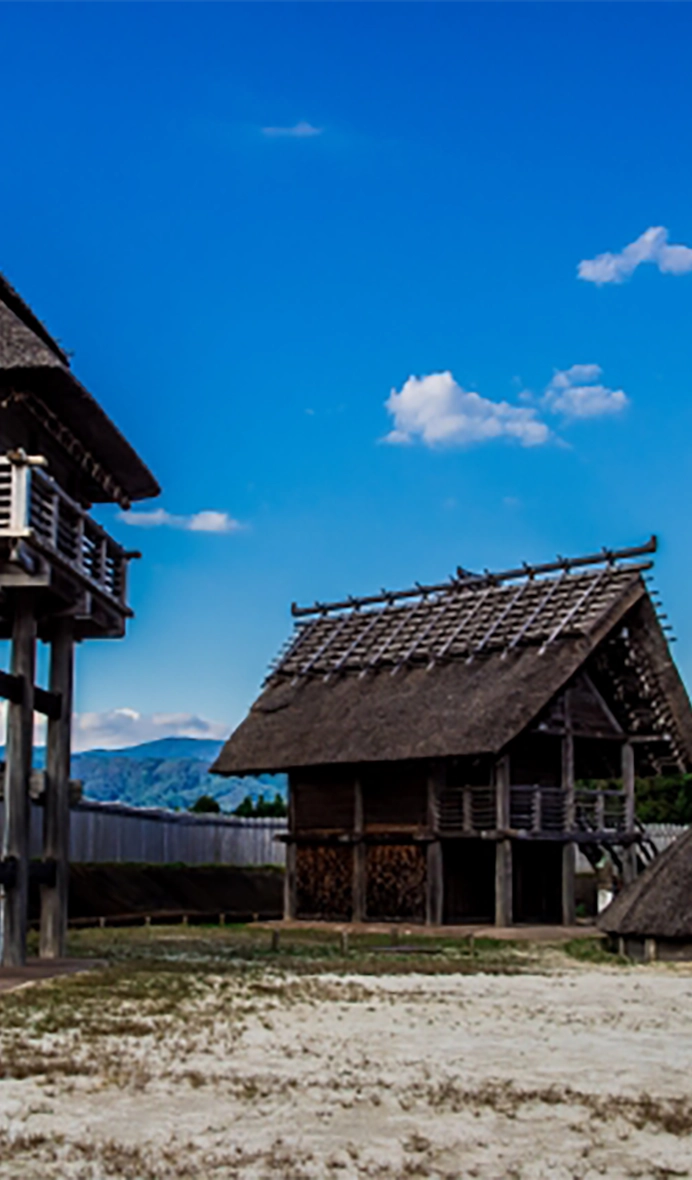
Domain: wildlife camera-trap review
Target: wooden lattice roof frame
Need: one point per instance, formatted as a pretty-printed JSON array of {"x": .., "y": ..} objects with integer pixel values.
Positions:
[{"x": 464, "y": 619}]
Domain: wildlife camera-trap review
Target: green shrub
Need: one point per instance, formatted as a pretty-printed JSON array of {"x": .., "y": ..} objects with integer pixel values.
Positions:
[{"x": 206, "y": 804}]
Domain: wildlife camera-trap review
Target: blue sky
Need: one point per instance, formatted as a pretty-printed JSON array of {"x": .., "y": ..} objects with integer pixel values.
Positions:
[{"x": 252, "y": 223}]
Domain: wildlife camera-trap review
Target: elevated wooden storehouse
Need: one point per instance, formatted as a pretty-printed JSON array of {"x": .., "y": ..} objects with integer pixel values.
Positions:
[
  {"x": 62, "y": 579},
  {"x": 436, "y": 740}
]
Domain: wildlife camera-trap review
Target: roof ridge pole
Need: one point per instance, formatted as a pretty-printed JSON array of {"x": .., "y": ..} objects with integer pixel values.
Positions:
[{"x": 461, "y": 583}]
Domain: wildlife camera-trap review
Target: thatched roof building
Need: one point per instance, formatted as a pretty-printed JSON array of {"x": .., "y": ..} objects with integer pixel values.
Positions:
[
  {"x": 459, "y": 670},
  {"x": 454, "y": 722},
  {"x": 653, "y": 914},
  {"x": 38, "y": 385}
]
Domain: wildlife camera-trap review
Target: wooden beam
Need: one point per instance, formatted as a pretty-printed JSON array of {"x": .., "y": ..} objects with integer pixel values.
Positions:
[
  {"x": 628, "y": 784},
  {"x": 434, "y": 886},
  {"x": 290, "y": 891},
  {"x": 56, "y": 814},
  {"x": 50, "y": 703},
  {"x": 359, "y": 901},
  {"x": 569, "y": 852},
  {"x": 598, "y": 696},
  {"x": 17, "y": 774},
  {"x": 503, "y": 851},
  {"x": 12, "y": 689},
  {"x": 630, "y": 856}
]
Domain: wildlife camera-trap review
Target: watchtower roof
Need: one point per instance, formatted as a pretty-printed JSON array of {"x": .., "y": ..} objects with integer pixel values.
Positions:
[{"x": 34, "y": 365}]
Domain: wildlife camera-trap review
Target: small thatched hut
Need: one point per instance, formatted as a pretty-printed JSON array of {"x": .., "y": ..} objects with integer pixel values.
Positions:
[
  {"x": 652, "y": 917},
  {"x": 436, "y": 740}
]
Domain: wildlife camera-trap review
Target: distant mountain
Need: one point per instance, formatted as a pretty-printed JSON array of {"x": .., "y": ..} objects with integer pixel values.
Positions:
[
  {"x": 170, "y": 772},
  {"x": 201, "y": 749}
]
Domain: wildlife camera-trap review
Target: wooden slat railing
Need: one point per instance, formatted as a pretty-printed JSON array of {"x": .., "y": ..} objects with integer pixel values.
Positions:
[{"x": 34, "y": 508}]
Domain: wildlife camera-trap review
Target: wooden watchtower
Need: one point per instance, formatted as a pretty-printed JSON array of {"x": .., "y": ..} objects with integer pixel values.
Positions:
[
  {"x": 62, "y": 579},
  {"x": 450, "y": 746}
]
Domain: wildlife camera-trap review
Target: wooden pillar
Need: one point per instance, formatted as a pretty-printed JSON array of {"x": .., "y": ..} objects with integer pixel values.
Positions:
[
  {"x": 628, "y": 784},
  {"x": 503, "y": 849},
  {"x": 569, "y": 850},
  {"x": 56, "y": 815},
  {"x": 434, "y": 887},
  {"x": 359, "y": 902},
  {"x": 15, "y": 845},
  {"x": 290, "y": 892},
  {"x": 629, "y": 864}
]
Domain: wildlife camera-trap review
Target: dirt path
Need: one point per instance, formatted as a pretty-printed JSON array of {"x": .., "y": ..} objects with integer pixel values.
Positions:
[{"x": 579, "y": 1074}]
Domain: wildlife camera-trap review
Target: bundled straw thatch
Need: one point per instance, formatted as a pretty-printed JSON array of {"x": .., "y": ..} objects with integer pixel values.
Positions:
[
  {"x": 33, "y": 363},
  {"x": 657, "y": 904}
]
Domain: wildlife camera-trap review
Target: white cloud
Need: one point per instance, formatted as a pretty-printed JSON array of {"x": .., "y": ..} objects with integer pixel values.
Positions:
[
  {"x": 577, "y": 392},
  {"x": 652, "y": 246},
  {"x": 300, "y": 130},
  {"x": 208, "y": 521},
  {"x": 437, "y": 411},
  {"x": 126, "y": 727}
]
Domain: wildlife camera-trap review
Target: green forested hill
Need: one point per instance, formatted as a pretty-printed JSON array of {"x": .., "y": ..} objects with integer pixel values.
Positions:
[{"x": 172, "y": 772}]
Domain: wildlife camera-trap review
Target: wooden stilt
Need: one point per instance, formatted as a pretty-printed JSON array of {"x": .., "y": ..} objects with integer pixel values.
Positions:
[
  {"x": 56, "y": 816},
  {"x": 359, "y": 903},
  {"x": 503, "y": 852},
  {"x": 434, "y": 890},
  {"x": 569, "y": 851},
  {"x": 20, "y": 718},
  {"x": 503, "y": 883},
  {"x": 290, "y": 899},
  {"x": 629, "y": 859},
  {"x": 628, "y": 784}
]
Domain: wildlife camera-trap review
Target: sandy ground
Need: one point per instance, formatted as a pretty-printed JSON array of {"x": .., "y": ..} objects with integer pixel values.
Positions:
[{"x": 582, "y": 1073}]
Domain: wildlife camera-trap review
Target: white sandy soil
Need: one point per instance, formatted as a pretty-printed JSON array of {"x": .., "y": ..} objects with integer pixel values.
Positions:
[{"x": 584, "y": 1073}]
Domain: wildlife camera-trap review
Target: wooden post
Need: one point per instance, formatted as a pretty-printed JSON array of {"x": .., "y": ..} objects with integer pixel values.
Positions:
[
  {"x": 629, "y": 860},
  {"x": 359, "y": 899},
  {"x": 56, "y": 816},
  {"x": 569, "y": 850},
  {"x": 503, "y": 850},
  {"x": 20, "y": 720},
  {"x": 290, "y": 898},
  {"x": 434, "y": 886},
  {"x": 628, "y": 784}
]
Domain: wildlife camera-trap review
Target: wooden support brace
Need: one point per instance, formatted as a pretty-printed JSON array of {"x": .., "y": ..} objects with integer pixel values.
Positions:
[{"x": 12, "y": 689}]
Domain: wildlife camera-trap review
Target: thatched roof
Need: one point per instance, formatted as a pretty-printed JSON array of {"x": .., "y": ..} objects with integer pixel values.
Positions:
[
  {"x": 461, "y": 671},
  {"x": 657, "y": 904},
  {"x": 32, "y": 362}
]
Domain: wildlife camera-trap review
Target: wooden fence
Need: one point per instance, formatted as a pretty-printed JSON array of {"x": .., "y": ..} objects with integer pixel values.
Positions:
[{"x": 111, "y": 832}]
